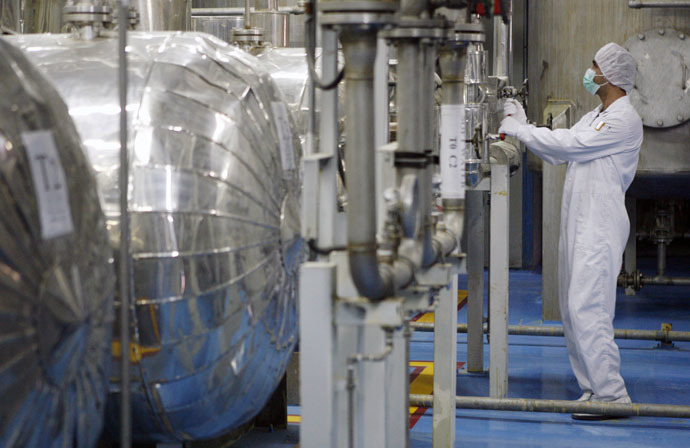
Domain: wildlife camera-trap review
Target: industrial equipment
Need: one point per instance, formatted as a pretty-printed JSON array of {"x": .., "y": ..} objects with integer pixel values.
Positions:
[
  {"x": 395, "y": 256},
  {"x": 214, "y": 220},
  {"x": 56, "y": 272}
]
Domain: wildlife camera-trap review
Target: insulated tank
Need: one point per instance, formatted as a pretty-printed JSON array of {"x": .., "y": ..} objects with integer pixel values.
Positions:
[
  {"x": 564, "y": 35},
  {"x": 56, "y": 274},
  {"x": 288, "y": 68},
  {"x": 214, "y": 220}
]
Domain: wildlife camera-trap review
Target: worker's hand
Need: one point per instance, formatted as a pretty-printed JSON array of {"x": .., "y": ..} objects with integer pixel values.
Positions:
[
  {"x": 509, "y": 126},
  {"x": 512, "y": 108}
]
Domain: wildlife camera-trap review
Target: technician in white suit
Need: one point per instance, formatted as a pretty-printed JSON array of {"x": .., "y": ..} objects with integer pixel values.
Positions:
[{"x": 601, "y": 151}]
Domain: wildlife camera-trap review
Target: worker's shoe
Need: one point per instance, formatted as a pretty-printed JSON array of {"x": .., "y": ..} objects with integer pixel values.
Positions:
[
  {"x": 586, "y": 396},
  {"x": 599, "y": 417}
]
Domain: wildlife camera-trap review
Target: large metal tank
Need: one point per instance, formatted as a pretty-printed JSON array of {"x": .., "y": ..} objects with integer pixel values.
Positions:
[
  {"x": 564, "y": 35},
  {"x": 163, "y": 15},
  {"x": 56, "y": 277},
  {"x": 45, "y": 16},
  {"x": 36, "y": 16},
  {"x": 213, "y": 203},
  {"x": 219, "y": 24},
  {"x": 288, "y": 68}
]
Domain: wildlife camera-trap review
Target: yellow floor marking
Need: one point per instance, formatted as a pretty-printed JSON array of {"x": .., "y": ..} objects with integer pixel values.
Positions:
[
  {"x": 424, "y": 383},
  {"x": 294, "y": 419}
]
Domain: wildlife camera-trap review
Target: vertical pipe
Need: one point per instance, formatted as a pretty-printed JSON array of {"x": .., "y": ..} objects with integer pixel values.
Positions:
[
  {"x": 382, "y": 114},
  {"x": 412, "y": 94},
  {"x": 453, "y": 61},
  {"x": 475, "y": 280},
  {"x": 328, "y": 141},
  {"x": 661, "y": 259},
  {"x": 359, "y": 48},
  {"x": 125, "y": 404},
  {"x": 247, "y": 14},
  {"x": 445, "y": 364},
  {"x": 498, "y": 281},
  {"x": 413, "y": 7}
]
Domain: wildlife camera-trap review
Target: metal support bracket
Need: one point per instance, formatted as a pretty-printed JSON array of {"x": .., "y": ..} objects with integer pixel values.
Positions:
[
  {"x": 386, "y": 313},
  {"x": 498, "y": 280},
  {"x": 445, "y": 360},
  {"x": 313, "y": 165}
]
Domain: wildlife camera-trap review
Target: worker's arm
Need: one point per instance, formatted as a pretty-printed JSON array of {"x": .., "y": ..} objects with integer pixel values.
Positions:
[{"x": 580, "y": 144}]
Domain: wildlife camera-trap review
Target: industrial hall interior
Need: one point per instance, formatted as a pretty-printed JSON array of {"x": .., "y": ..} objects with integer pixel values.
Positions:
[{"x": 344, "y": 223}]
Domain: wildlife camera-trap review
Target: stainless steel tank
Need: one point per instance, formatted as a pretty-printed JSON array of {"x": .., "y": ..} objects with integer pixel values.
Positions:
[
  {"x": 214, "y": 219},
  {"x": 564, "y": 35},
  {"x": 220, "y": 26},
  {"x": 45, "y": 16},
  {"x": 37, "y": 16},
  {"x": 163, "y": 15},
  {"x": 281, "y": 29},
  {"x": 288, "y": 68},
  {"x": 56, "y": 274}
]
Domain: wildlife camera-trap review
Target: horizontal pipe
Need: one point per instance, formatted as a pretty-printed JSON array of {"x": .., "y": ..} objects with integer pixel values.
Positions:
[
  {"x": 666, "y": 281},
  {"x": 527, "y": 330},
  {"x": 561, "y": 406},
  {"x": 206, "y": 12},
  {"x": 668, "y": 4}
]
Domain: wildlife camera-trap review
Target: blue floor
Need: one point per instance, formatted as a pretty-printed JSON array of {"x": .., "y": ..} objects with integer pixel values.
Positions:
[{"x": 539, "y": 368}]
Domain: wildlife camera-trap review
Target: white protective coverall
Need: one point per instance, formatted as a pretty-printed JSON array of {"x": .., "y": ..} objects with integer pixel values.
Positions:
[{"x": 602, "y": 152}]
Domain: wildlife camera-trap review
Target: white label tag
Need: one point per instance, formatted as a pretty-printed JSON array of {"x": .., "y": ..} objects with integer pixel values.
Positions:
[
  {"x": 5, "y": 146},
  {"x": 453, "y": 151},
  {"x": 49, "y": 182},
  {"x": 287, "y": 152}
]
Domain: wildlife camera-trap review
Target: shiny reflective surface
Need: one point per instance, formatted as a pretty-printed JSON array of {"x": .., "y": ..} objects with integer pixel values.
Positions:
[
  {"x": 219, "y": 26},
  {"x": 37, "y": 16},
  {"x": 56, "y": 308},
  {"x": 288, "y": 68},
  {"x": 163, "y": 15},
  {"x": 213, "y": 212}
]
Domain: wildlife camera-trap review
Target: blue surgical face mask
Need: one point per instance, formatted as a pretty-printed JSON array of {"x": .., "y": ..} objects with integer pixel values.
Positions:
[{"x": 588, "y": 81}]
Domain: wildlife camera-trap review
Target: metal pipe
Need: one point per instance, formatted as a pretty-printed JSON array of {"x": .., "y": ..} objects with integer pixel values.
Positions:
[
  {"x": 359, "y": 48},
  {"x": 413, "y": 8},
  {"x": 125, "y": 269},
  {"x": 413, "y": 133},
  {"x": 666, "y": 281},
  {"x": 239, "y": 11},
  {"x": 453, "y": 61},
  {"x": 353, "y": 360},
  {"x": 533, "y": 330},
  {"x": 660, "y": 258},
  {"x": 247, "y": 14},
  {"x": 430, "y": 254},
  {"x": 653, "y": 4},
  {"x": 561, "y": 406}
]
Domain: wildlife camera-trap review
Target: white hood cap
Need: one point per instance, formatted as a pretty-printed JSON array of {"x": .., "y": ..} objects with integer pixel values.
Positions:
[{"x": 618, "y": 65}]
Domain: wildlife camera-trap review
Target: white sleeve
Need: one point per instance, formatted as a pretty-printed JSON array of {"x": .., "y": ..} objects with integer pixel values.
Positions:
[{"x": 578, "y": 144}]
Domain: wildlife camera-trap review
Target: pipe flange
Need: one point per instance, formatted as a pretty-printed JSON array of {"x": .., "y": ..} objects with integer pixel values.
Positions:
[
  {"x": 82, "y": 13},
  {"x": 469, "y": 28},
  {"x": 467, "y": 37},
  {"x": 415, "y": 33},
  {"x": 358, "y": 6},
  {"x": 364, "y": 20},
  {"x": 247, "y": 35}
]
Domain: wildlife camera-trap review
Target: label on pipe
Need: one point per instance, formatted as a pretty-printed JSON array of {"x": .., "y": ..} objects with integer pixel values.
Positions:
[
  {"x": 453, "y": 151},
  {"x": 54, "y": 210},
  {"x": 282, "y": 121}
]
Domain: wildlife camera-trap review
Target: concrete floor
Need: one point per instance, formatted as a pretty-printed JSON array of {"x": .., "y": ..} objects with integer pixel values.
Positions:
[{"x": 539, "y": 368}]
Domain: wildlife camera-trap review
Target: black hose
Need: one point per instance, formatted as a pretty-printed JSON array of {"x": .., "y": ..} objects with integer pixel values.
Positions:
[
  {"x": 323, "y": 250},
  {"x": 310, "y": 44}
]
